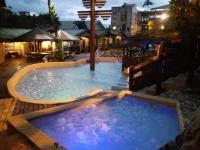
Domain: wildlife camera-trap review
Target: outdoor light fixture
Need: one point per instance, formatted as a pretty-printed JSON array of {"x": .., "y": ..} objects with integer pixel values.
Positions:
[
  {"x": 164, "y": 16},
  {"x": 114, "y": 27},
  {"x": 162, "y": 27}
]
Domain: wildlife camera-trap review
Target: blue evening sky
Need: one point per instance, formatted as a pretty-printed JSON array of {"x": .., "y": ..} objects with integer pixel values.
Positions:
[{"x": 67, "y": 9}]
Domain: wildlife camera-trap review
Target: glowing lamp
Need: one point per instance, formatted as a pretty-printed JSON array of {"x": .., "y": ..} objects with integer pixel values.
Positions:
[
  {"x": 114, "y": 27},
  {"x": 164, "y": 16}
]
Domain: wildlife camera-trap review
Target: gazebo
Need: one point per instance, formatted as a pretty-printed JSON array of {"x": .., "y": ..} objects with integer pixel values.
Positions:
[
  {"x": 37, "y": 36},
  {"x": 64, "y": 36},
  {"x": 69, "y": 41}
]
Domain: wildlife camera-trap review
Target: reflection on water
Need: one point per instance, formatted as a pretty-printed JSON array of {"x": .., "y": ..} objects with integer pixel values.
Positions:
[
  {"x": 62, "y": 83},
  {"x": 130, "y": 124}
]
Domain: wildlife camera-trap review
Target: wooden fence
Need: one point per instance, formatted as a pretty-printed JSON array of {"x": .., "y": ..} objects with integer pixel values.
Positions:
[{"x": 155, "y": 71}]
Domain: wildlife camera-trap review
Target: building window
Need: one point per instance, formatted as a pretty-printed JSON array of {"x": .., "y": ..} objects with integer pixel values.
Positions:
[
  {"x": 123, "y": 17},
  {"x": 124, "y": 27}
]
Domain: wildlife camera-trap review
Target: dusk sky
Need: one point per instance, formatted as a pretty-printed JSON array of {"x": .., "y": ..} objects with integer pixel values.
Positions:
[{"x": 67, "y": 9}]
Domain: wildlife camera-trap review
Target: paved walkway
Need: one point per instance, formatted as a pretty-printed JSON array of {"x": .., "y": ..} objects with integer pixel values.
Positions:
[{"x": 7, "y": 70}]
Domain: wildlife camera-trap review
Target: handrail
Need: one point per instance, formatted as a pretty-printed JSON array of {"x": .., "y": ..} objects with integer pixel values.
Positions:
[{"x": 136, "y": 72}]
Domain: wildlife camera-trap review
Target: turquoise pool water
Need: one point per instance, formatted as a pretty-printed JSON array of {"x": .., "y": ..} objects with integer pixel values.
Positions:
[
  {"x": 128, "y": 124},
  {"x": 61, "y": 83}
]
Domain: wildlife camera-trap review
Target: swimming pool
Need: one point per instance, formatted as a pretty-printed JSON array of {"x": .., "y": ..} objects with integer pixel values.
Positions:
[
  {"x": 57, "y": 84},
  {"x": 130, "y": 123}
]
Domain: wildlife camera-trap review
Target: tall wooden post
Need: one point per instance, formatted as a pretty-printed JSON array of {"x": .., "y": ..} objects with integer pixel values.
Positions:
[
  {"x": 92, "y": 37},
  {"x": 105, "y": 14}
]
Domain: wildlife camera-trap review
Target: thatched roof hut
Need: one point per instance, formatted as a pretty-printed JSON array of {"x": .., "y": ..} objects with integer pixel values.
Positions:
[
  {"x": 35, "y": 35},
  {"x": 65, "y": 36}
]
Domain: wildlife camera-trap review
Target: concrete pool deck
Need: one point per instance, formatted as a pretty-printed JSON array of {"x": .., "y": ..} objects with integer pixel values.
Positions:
[{"x": 42, "y": 141}]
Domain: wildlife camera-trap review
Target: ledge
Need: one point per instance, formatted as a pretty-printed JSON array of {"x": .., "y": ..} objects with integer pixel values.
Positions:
[
  {"x": 21, "y": 124},
  {"x": 12, "y": 83}
]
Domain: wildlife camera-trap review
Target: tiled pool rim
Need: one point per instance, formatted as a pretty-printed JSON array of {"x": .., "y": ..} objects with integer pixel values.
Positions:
[
  {"x": 44, "y": 142},
  {"x": 12, "y": 83}
]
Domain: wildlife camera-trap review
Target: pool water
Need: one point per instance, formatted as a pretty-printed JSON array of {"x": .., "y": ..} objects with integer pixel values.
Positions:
[
  {"x": 128, "y": 124},
  {"x": 61, "y": 83}
]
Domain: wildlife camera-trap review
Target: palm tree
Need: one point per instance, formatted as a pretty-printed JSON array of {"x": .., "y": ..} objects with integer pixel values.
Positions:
[
  {"x": 147, "y": 3},
  {"x": 49, "y": 6}
]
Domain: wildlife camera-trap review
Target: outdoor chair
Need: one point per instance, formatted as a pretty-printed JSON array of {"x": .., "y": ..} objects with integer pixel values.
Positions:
[{"x": 45, "y": 58}]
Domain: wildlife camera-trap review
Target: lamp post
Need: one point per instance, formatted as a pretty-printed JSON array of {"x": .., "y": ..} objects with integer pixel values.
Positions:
[{"x": 105, "y": 14}]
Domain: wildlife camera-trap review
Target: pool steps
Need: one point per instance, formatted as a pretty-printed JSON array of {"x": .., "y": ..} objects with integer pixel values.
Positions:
[{"x": 24, "y": 107}]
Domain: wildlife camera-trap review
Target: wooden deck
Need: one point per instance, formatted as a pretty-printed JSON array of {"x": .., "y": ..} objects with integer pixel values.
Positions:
[
  {"x": 12, "y": 107},
  {"x": 6, "y": 108}
]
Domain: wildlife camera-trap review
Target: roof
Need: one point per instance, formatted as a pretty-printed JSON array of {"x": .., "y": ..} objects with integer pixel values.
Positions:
[
  {"x": 68, "y": 25},
  {"x": 35, "y": 35},
  {"x": 101, "y": 33},
  {"x": 151, "y": 12},
  {"x": 125, "y": 5},
  {"x": 65, "y": 36},
  {"x": 82, "y": 28},
  {"x": 161, "y": 7},
  {"x": 75, "y": 32},
  {"x": 80, "y": 25},
  {"x": 11, "y": 33},
  {"x": 98, "y": 25}
]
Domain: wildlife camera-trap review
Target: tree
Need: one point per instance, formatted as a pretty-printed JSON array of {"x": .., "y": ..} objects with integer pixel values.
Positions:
[
  {"x": 184, "y": 18},
  {"x": 147, "y": 3},
  {"x": 2, "y": 3},
  {"x": 54, "y": 18},
  {"x": 49, "y": 6}
]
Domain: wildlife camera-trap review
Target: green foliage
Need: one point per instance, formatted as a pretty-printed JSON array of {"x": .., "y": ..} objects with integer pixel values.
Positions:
[
  {"x": 147, "y": 3},
  {"x": 2, "y": 3},
  {"x": 59, "y": 48},
  {"x": 10, "y": 19},
  {"x": 184, "y": 18},
  {"x": 52, "y": 11},
  {"x": 53, "y": 16},
  {"x": 58, "y": 43}
]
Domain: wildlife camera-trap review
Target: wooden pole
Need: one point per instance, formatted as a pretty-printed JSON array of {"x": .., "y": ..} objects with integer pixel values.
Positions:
[
  {"x": 92, "y": 37},
  {"x": 131, "y": 79},
  {"x": 35, "y": 46}
]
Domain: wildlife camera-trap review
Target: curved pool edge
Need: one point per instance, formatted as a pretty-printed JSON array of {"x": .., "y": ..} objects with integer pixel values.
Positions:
[
  {"x": 21, "y": 121},
  {"x": 14, "y": 80}
]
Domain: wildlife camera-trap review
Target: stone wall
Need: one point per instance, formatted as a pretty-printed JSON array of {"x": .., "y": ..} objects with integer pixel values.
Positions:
[{"x": 2, "y": 53}]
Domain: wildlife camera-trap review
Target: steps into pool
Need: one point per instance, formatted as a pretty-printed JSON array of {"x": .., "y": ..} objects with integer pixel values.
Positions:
[
  {"x": 13, "y": 107},
  {"x": 24, "y": 107}
]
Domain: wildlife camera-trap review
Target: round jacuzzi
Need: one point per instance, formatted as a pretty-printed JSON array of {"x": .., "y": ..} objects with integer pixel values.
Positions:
[{"x": 59, "y": 82}]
